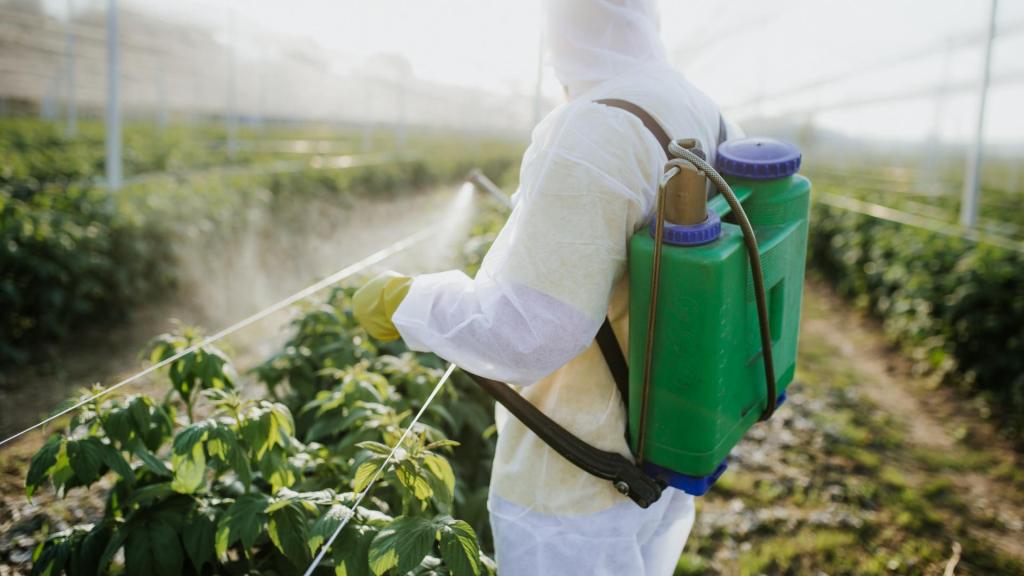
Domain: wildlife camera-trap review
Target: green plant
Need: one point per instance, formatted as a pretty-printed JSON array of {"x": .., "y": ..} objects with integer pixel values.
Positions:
[
  {"x": 69, "y": 257},
  {"x": 208, "y": 481},
  {"x": 955, "y": 305}
]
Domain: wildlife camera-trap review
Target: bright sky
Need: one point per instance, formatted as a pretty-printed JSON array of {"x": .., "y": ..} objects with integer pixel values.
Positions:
[{"x": 740, "y": 52}]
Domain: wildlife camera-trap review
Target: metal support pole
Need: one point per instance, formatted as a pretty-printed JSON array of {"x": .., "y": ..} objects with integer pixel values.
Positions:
[
  {"x": 402, "y": 125},
  {"x": 232, "y": 103},
  {"x": 113, "y": 120},
  {"x": 71, "y": 127},
  {"x": 972, "y": 173},
  {"x": 48, "y": 108}
]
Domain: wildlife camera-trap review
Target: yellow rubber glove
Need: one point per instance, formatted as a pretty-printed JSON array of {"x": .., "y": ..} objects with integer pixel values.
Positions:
[{"x": 375, "y": 303}]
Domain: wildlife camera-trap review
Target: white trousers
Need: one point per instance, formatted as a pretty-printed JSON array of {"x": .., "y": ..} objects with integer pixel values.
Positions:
[{"x": 622, "y": 540}]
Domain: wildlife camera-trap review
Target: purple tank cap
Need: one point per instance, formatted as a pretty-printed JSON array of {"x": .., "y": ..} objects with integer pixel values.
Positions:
[
  {"x": 694, "y": 235},
  {"x": 758, "y": 158}
]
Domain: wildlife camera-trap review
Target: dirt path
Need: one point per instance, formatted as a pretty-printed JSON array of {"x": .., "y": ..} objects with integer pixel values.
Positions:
[
  {"x": 934, "y": 419},
  {"x": 859, "y": 343},
  {"x": 868, "y": 469}
]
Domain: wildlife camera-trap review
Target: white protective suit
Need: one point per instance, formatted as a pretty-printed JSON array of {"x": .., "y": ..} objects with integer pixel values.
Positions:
[{"x": 588, "y": 181}]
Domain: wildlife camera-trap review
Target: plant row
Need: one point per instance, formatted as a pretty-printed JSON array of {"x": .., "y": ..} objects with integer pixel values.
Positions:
[
  {"x": 211, "y": 481},
  {"x": 73, "y": 255},
  {"x": 957, "y": 306}
]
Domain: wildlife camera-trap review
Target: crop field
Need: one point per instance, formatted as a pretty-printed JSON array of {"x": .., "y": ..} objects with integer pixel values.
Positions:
[
  {"x": 953, "y": 302},
  {"x": 53, "y": 214},
  {"x": 897, "y": 452}
]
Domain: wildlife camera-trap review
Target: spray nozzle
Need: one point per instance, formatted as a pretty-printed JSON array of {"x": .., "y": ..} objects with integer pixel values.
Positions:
[
  {"x": 685, "y": 186},
  {"x": 477, "y": 178}
]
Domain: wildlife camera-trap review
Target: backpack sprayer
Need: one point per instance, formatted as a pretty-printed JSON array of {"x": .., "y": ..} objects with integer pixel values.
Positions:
[{"x": 714, "y": 311}]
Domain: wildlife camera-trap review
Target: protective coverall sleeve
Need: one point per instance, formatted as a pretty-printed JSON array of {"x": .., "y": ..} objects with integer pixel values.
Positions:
[{"x": 586, "y": 184}]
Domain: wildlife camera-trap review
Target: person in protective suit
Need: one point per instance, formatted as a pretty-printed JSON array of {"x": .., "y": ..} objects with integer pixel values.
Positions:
[{"x": 588, "y": 181}]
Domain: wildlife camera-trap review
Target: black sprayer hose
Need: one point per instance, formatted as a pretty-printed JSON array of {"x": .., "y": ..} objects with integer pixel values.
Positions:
[{"x": 750, "y": 240}]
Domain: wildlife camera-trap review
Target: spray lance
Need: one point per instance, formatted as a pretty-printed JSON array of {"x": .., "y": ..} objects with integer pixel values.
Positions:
[
  {"x": 477, "y": 178},
  {"x": 714, "y": 310}
]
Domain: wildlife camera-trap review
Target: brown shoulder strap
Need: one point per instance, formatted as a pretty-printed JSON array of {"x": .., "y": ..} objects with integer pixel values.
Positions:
[
  {"x": 649, "y": 122},
  {"x": 625, "y": 475}
]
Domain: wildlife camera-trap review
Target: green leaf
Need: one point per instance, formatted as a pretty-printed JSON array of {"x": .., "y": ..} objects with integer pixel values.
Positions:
[
  {"x": 139, "y": 407},
  {"x": 150, "y": 460},
  {"x": 383, "y": 556},
  {"x": 441, "y": 444},
  {"x": 85, "y": 459},
  {"x": 403, "y": 544},
  {"x": 288, "y": 532},
  {"x": 153, "y": 548},
  {"x": 224, "y": 442},
  {"x": 283, "y": 421},
  {"x": 411, "y": 476},
  {"x": 88, "y": 457},
  {"x": 186, "y": 440},
  {"x": 115, "y": 461},
  {"x": 86, "y": 555},
  {"x": 323, "y": 428},
  {"x": 364, "y": 474},
  {"x": 352, "y": 549},
  {"x": 375, "y": 447},
  {"x": 42, "y": 462},
  {"x": 277, "y": 470},
  {"x": 53, "y": 557},
  {"x": 244, "y": 521},
  {"x": 152, "y": 492},
  {"x": 61, "y": 473},
  {"x": 198, "y": 539},
  {"x": 280, "y": 503},
  {"x": 118, "y": 425},
  {"x": 440, "y": 469},
  {"x": 115, "y": 543},
  {"x": 459, "y": 547},
  {"x": 325, "y": 526},
  {"x": 256, "y": 432},
  {"x": 189, "y": 470}
]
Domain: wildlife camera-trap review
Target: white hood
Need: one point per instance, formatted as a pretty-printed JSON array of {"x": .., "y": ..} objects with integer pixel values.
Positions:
[{"x": 591, "y": 41}]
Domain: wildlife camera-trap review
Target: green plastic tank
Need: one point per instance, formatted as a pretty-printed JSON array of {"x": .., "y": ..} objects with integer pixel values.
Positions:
[{"x": 707, "y": 374}]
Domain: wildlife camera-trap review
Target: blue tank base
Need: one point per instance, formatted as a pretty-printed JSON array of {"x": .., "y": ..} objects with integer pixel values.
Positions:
[{"x": 694, "y": 485}]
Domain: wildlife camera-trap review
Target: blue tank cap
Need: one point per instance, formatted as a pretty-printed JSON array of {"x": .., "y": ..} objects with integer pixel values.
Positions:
[
  {"x": 695, "y": 235},
  {"x": 757, "y": 158}
]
